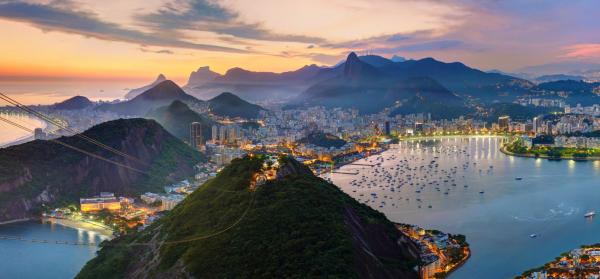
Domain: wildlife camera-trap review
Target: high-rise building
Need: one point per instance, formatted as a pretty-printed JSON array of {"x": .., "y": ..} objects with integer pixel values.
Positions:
[
  {"x": 503, "y": 123},
  {"x": 39, "y": 134},
  {"x": 215, "y": 134},
  {"x": 196, "y": 139},
  {"x": 537, "y": 124},
  {"x": 387, "y": 128},
  {"x": 418, "y": 127},
  {"x": 223, "y": 134}
]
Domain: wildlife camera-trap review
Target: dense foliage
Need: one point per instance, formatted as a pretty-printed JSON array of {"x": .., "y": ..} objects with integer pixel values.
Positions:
[
  {"x": 323, "y": 139},
  {"x": 288, "y": 228}
]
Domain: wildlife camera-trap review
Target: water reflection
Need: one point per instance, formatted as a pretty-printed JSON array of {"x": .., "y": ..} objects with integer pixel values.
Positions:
[{"x": 507, "y": 199}]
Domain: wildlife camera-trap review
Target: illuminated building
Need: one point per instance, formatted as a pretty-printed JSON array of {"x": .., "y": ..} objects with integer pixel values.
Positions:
[
  {"x": 215, "y": 134},
  {"x": 503, "y": 122},
  {"x": 39, "y": 134},
  {"x": 387, "y": 128},
  {"x": 196, "y": 139},
  {"x": 106, "y": 201}
]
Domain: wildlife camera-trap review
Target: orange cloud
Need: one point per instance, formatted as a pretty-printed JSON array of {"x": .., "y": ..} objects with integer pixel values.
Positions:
[{"x": 582, "y": 51}]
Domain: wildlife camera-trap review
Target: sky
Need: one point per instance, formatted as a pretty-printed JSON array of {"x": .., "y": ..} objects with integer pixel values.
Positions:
[{"x": 138, "y": 39}]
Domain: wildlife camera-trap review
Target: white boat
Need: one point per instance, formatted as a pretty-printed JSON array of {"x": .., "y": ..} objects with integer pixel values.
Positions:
[
  {"x": 590, "y": 214},
  {"x": 533, "y": 235}
]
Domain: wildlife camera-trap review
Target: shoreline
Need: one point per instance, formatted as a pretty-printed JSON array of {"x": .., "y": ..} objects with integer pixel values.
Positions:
[
  {"x": 546, "y": 157},
  {"x": 26, "y": 138},
  {"x": 79, "y": 225},
  {"x": 450, "y": 136}
]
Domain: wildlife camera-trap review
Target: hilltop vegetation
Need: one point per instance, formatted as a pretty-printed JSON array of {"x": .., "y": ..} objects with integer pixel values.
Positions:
[
  {"x": 295, "y": 226},
  {"x": 323, "y": 139}
]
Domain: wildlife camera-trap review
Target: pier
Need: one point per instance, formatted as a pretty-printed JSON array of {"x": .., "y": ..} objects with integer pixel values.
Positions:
[
  {"x": 359, "y": 164},
  {"x": 345, "y": 172}
]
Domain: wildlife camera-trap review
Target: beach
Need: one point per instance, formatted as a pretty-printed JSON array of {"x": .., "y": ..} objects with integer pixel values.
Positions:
[{"x": 10, "y": 135}]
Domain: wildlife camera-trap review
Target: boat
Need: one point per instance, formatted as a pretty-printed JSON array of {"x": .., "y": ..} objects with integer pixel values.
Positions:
[
  {"x": 590, "y": 214},
  {"x": 519, "y": 178},
  {"x": 533, "y": 235}
]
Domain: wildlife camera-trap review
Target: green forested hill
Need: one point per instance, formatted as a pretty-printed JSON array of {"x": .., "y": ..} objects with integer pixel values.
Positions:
[{"x": 297, "y": 226}]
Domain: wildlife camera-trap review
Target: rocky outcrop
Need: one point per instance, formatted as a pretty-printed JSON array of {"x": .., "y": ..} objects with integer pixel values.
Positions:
[{"x": 289, "y": 167}]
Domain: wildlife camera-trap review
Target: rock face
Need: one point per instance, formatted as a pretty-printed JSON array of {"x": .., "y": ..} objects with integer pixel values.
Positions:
[
  {"x": 46, "y": 172},
  {"x": 354, "y": 68},
  {"x": 200, "y": 77},
  {"x": 296, "y": 225}
]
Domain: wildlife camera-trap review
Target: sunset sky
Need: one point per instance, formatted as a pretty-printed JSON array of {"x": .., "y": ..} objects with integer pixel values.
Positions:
[{"x": 137, "y": 39}]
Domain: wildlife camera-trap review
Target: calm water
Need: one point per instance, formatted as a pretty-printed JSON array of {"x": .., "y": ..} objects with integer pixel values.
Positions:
[
  {"x": 49, "y": 92},
  {"x": 22, "y": 259},
  {"x": 549, "y": 201}
]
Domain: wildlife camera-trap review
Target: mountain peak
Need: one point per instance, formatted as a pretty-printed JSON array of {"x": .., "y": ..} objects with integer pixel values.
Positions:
[
  {"x": 397, "y": 58},
  {"x": 226, "y": 95},
  {"x": 352, "y": 57},
  {"x": 73, "y": 103},
  {"x": 137, "y": 91},
  {"x": 230, "y": 105},
  {"x": 201, "y": 76},
  {"x": 355, "y": 68}
]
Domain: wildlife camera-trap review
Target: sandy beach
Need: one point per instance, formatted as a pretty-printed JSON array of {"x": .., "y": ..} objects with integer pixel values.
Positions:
[
  {"x": 81, "y": 225},
  {"x": 11, "y": 135}
]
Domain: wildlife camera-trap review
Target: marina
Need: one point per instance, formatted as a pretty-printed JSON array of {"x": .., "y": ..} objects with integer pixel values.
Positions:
[{"x": 465, "y": 185}]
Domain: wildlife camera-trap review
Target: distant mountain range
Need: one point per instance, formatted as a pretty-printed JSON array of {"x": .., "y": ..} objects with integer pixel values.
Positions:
[
  {"x": 74, "y": 103},
  {"x": 296, "y": 225},
  {"x": 253, "y": 86},
  {"x": 177, "y": 117},
  {"x": 578, "y": 91},
  {"x": 162, "y": 94},
  {"x": 44, "y": 172},
  {"x": 558, "y": 77},
  {"x": 361, "y": 85},
  {"x": 370, "y": 83},
  {"x": 134, "y": 92}
]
